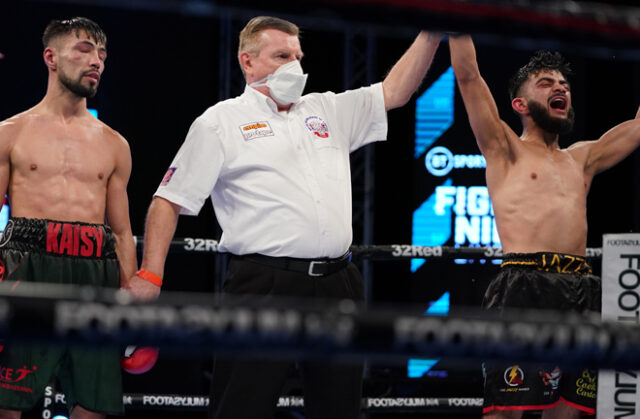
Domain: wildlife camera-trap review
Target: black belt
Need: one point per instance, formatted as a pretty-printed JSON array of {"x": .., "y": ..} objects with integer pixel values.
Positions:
[{"x": 311, "y": 267}]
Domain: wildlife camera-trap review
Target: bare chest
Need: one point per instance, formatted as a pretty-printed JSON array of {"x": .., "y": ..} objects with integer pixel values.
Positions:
[
  {"x": 539, "y": 175},
  {"x": 558, "y": 174},
  {"x": 69, "y": 154}
]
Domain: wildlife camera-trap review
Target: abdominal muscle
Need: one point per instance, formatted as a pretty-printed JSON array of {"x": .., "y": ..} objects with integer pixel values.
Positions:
[
  {"x": 530, "y": 222},
  {"x": 58, "y": 198}
]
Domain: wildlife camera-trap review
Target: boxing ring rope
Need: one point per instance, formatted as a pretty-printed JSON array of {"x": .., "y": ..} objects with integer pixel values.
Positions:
[
  {"x": 619, "y": 21},
  {"x": 200, "y": 323},
  {"x": 372, "y": 252},
  {"x": 102, "y": 317},
  {"x": 194, "y": 323}
]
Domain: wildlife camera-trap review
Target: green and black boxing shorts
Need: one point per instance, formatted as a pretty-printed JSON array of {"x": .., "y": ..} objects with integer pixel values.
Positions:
[
  {"x": 47, "y": 251},
  {"x": 545, "y": 281}
]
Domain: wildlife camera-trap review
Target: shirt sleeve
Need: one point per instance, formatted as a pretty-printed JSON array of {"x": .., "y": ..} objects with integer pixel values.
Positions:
[
  {"x": 195, "y": 168},
  {"x": 361, "y": 115}
]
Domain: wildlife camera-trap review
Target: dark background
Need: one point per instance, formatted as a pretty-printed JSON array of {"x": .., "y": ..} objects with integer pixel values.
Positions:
[{"x": 163, "y": 70}]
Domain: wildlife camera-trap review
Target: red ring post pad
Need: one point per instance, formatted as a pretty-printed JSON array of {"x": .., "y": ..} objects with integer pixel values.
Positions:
[{"x": 138, "y": 359}]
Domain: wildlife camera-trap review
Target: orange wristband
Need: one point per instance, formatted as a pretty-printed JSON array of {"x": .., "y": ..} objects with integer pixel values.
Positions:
[{"x": 149, "y": 276}]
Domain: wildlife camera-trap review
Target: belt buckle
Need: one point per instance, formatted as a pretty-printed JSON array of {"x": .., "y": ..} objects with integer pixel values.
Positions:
[{"x": 311, "y": 265}]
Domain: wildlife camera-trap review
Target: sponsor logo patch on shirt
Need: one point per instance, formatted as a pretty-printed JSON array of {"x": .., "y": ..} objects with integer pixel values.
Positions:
[
  {"x": 254, "y": 130},
  {"x": 167, "y": 176},
  {"x": 317, "y": 126}
]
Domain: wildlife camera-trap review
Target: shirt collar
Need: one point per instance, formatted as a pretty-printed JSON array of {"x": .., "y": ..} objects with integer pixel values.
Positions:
[{"x": 262, "y": 101}]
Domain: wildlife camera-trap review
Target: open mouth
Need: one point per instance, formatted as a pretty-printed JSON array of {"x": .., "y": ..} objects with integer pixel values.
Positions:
[{"x": 558, "y": 102}]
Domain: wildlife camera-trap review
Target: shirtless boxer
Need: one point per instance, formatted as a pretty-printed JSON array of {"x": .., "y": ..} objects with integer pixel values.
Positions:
[
  {"x": 64, "y": 170},
  {"x": 539, "y": 196}
]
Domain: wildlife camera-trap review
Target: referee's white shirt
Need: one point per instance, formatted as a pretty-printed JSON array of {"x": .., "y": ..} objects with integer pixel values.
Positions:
[{"x": 279, "y": 181}]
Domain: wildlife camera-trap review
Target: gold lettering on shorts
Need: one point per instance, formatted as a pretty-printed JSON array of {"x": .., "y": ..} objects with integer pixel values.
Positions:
[
  {"x": 566, "y": 267},
  {"x": 586, "y": 385},
  {"x": 555, "y": 261}
]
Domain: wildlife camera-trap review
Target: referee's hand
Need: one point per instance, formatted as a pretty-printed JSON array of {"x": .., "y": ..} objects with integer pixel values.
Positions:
[{"x": 141, "y": 289}]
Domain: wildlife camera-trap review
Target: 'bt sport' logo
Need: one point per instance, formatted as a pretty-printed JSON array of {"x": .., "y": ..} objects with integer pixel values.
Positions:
[{"x": 439, "y": 161}]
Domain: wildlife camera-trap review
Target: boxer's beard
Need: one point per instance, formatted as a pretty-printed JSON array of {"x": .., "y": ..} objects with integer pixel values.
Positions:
[
  {"x": 544, "y": 120},
  {"x": 77, "y": 88}
]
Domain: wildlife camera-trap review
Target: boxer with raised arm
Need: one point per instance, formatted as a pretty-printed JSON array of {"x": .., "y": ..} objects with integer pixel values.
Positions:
[{"x": 539, "y": 193}]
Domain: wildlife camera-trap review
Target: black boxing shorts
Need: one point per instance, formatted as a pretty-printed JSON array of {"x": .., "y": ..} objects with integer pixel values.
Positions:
[
  {"x": 546, "y": 281},
  {"x": 47, "y": 251}
]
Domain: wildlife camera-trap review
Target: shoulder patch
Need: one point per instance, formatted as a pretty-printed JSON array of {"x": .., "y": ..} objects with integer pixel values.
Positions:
[
  {"x": 167, "y": 176},
  {"x": 317, "y": 125}
]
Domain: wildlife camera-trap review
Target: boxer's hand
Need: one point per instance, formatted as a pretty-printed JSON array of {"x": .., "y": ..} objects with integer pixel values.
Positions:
[{"x": 141, "y": 289}]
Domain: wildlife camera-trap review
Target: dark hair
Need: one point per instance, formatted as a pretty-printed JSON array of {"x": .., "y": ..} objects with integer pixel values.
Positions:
[
  {"x": 57, "y": 28},
  {"x": 541, "y": 61}
]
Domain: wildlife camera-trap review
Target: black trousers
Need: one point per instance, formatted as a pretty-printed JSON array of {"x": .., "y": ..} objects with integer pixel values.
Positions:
[{"x": 249, "y": 388}]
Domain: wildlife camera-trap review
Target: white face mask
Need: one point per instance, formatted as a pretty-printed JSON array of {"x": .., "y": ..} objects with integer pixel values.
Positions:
[{"x": 286, "y": 83}]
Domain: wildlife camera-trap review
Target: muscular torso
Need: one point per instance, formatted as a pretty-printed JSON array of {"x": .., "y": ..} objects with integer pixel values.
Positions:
[
  {"x": 539, "y": 199},
  {"x": 60, "y": 169}
]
